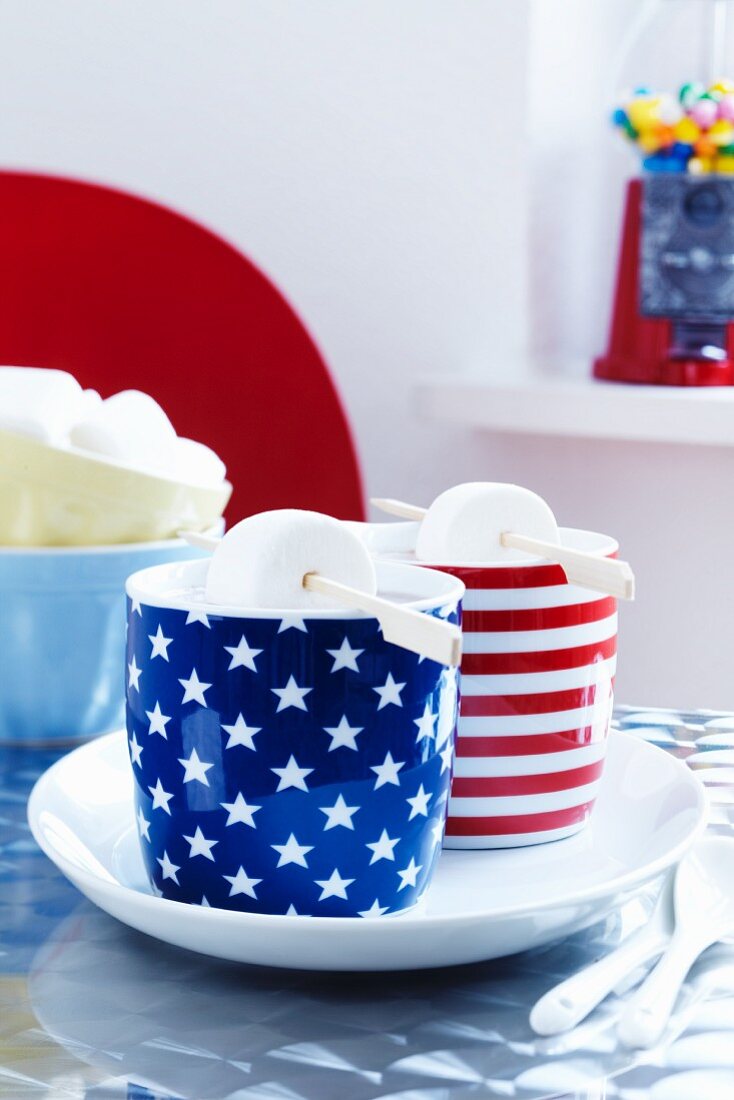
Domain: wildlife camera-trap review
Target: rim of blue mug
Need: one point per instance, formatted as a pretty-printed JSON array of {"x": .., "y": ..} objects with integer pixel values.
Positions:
[
  {"x": 107, "y": 547},
  {"x": 448, "y": 590},
  {"x": 573, "y": 538}
]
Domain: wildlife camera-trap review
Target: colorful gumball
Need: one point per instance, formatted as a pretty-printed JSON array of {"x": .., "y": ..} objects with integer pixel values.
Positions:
[
  {"x": 693, "y": 132},
  {"x": 669, "y": 112},
  {"x": 721, "y": 132},
  {"x": 644, "y": 114},
  {"x": 704, "y": 113},
  {"x": 689, "y": 94}
]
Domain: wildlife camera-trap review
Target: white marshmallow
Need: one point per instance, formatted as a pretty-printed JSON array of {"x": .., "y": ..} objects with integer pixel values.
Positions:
[
  {"x": 465, "y": 523},
  {"x": 261, "y": 561},
  {"x": 129, "y": 427},
  {"x": 196, "y": 463},
  {"x": 39, "y": 402}
]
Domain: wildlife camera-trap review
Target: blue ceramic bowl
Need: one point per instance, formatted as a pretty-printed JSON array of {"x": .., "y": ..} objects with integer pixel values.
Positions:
[
  {"x": 287, "y": 762},
  {"x": 62, "y": 614}
]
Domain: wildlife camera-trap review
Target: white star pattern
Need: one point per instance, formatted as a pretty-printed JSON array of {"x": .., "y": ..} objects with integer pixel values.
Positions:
[
  {"x": 339, "y": 814},
  {"x": 195, "y": 769},
  {"x": 389, "y": 693},
  {"x": 291, "y": 696},
  {"x": 243, "y": 656},
  {"x": 292, "y": 622},
  {"x": 387, "y": 772},
  {"x": 271, "y": 691},
  {"x": 419, "y": 803},
  {"x": 133, "y": 675},
  {"x": 345, "y": 657},
  {"x": 135, "y": 608},
  {"x": 343, "y": 735},
  {"x": 334, "y": 887},
  {"x": 161, "y": 798},
  {"x": 292, "y": 776},
  {"x": 200, "y": 846},
  {"x": 204, "y": 903},
  {"x": 426, "y": 724},
  {"x": 241, "y": 883},
  {"x": 160, "y": 644},
  {"x": 292, "y": 852},
  {"x": 383, "y": 848},
  {"x": 158, "y": 721},
  {"x": 409, "y": 874},
  {"x": 194, "y": 689},
  {"x": 198, "y": 616},
  {"x": 239, "y": 813},
  {"x": 241, "y": 734},
  {"x": 135, "y": 751},
  {"x": 169, "y": 869},
  {"x": 375, "y": 910}
]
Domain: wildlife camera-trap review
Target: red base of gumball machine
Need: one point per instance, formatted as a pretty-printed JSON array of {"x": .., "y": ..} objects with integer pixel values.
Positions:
[
  {"x": 641, "y": 349},
  {"x": 665, "y": 372}
]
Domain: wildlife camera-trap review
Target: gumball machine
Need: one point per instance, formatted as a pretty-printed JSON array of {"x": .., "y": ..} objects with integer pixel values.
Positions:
[{"x": 673, "y": 310}]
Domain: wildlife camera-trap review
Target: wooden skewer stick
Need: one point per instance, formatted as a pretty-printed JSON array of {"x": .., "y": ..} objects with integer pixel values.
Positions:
[
  {"x": 202, "y": 542},
  {"x": 608, "y": 575},
  {"x": 422, "y": 634},
  {"x": 393, "y": 507}
]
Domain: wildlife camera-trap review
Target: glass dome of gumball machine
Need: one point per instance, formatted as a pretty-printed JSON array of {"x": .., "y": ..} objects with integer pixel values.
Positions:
[{"x": 673, "y": 309}]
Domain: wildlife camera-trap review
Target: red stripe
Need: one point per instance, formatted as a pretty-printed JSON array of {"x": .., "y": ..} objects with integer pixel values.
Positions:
[
  {"x": 541, "y": 702},
  {"x": 551, "y": 660},
  {"x": 503, "y": 785},
  {"x": 543, "y": 618},
  {"x": 518, "y": 823},
  {"x": 524, "y": 576},
  {"x": 524, "y": 744},
  {"x": 508, "y": 576}
]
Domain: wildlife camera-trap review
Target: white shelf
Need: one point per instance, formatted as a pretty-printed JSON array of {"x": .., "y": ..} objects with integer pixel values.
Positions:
[{"x": 544, "y": 405}]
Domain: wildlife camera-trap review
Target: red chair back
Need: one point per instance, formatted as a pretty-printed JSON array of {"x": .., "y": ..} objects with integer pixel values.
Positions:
[{"x": 126, "y": 294}]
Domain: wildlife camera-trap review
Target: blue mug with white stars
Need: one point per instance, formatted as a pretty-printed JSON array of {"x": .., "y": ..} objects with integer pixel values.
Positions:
[{"x": 287, "y": 762}]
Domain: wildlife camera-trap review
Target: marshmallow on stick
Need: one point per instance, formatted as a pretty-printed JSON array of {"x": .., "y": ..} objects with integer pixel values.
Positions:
[
  {"x": 487, "y": 522},
  {"x": 296, "y": 560},
  {"x": 261, "y": 561}
]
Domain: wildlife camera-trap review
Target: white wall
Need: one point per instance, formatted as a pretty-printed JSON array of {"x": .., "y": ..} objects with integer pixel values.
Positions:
[{"x": 373, "y": 158}]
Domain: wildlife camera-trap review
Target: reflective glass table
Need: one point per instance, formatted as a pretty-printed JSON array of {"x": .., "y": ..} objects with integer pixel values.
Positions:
[{"x": 92, "y": 1009}]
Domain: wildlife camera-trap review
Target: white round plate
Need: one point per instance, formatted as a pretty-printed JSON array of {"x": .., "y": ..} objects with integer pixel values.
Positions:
[{"x": 481, "y": 904}]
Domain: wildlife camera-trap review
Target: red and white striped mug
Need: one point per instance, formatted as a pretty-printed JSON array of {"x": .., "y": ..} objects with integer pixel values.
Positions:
[{"x": 537, "y": 680}]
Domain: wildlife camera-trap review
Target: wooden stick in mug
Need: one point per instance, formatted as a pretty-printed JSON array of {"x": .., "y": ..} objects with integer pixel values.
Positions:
[
  {"x": 422, "y": 634},
  {"x": 202, "y": 542},
  {"x": 608, "y": 575}
]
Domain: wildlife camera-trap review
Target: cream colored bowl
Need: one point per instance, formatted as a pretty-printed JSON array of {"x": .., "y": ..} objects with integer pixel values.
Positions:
[{"x": 54, "y": 497}]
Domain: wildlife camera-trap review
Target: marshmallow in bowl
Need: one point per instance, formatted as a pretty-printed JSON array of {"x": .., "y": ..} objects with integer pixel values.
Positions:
[
  {"x": 127, "y": 425},
  {"x": 42, "y": 404},
  {"x": 261, "y": 561},
  {"x": 464, "y": 524},
  {"x": 195, "y": 462},
  {"x": 130, "y": 428}
]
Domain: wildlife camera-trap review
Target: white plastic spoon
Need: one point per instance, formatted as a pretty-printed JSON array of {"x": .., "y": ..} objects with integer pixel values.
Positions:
[
  {"x": 704, "y": 914},
  {"x": 422, "y": 634},
  {"x": 568, "y": 1003},
  {"x": 608, "y": 575}
]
